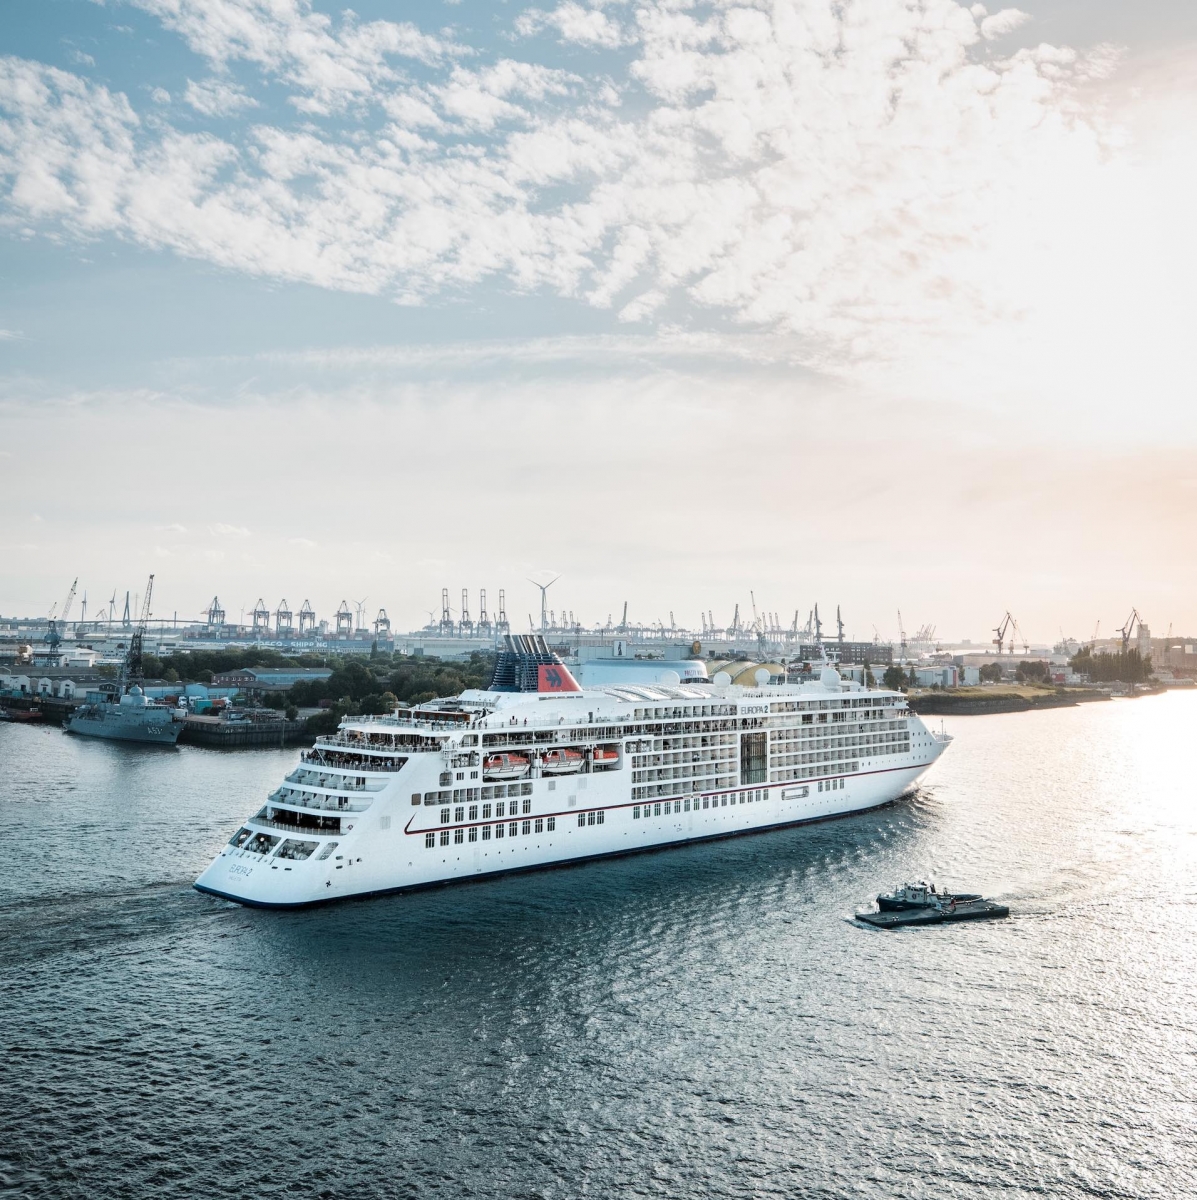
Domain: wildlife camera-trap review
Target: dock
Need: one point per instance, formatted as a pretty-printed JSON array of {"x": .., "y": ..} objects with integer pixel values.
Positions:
[{"x": 973, "y": 910}]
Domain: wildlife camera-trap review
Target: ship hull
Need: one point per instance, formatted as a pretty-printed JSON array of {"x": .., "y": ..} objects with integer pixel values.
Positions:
[
  {"x": 115, "y": 728},
  {"x": 376, "y": 860}
]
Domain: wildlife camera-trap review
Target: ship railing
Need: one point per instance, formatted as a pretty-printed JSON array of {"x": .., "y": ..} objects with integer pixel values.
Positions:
[
  {"x": 288, "y": 827},
  {"x": 316, "y": 803},
  {"x": 313, "y": 759}
]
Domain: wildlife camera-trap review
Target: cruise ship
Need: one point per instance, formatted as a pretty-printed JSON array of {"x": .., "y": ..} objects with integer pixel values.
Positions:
[{"x": 535, "y": 771}]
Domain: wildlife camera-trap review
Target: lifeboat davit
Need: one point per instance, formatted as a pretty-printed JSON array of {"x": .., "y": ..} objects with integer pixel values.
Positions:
[
  {"x": 504, "y": 766},
  {"x": 605, "y": 756},
  {"x": 561, "y": 762}
]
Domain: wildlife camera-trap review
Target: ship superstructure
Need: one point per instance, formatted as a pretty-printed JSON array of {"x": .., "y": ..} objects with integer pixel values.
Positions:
[{"x": 535, "y": 771}]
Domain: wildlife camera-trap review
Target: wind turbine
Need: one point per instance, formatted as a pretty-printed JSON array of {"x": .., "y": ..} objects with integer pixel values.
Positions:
[{"x": 544, "y": 600}]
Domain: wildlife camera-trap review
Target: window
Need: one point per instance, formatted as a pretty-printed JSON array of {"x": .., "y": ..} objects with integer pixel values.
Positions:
[
  {"x": 656, "y": 810},
  {"x": 539, "y": 825},
  {"x": 600, "y": 818},
  {"x": 705, "y": 802},
  {"x": 486, "y": 812},
  {"x": 444, "y": 837},
  {"x": 636, "y": 813},
  {"x": 241, "y": 837},
  {"x": 552, "y": 824},
  {"x": 329, "y": 847},
  {"x": 552, "y": 785},
  {"x": 581, "y": 820},
  {"x": 474, "y": 834},
  {"x": 525, "y": 789},
  {"x": 590, "y": 818},
  {"x": 473, "y": 812},
  {"x": 677, "y": 806},
  {"x": 459, "y": 814},
  {"x": 499, "y": 831},
  {"x": 415, "y": 797},
  {"x": 486, "y": 833},
  {"x": 444, "y": 816},
  {"x": 686, "y": 806},
  {"x": 500, "y": 809},
  {"x": 526, "y": 828},
  {"x": 457, "y": 836},
  {"x": 512, "y": 829},
  {"x": 527, "y": 806},
  {"x": 429, "y": 840}
]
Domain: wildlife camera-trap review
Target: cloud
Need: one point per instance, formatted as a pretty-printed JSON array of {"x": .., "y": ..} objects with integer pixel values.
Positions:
[
  {"x": 11, "y": 335},
  {"x": 232, "y": 531},
  {"x": 160, "y": 95},
  {"x": 573, "y": 23},
  {"x": 84, "y": 60},
  {"x": 174, "y": 528},
  {"x": 302, "y": 543},
  {"x": 329, "y": 65},
  {"x": 1001, "y": 23},
  {"x": 878, "y": 183},
  {"x": 216, "y": 98}
]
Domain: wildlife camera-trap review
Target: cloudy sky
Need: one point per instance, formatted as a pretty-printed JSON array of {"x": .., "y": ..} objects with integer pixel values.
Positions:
[{"x": 881, "y": 302}]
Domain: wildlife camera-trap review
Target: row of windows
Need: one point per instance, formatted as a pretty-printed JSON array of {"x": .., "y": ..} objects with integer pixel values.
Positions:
[
  {"x": 789, "y": 774},
  {"x": 671, "y": 789},
  {"x": 591, "y": 818},
  {"x": 514, "y": 829},
  {"x": 501, "y": 810},
  {"x": 466, "y": 795},
  {"x": 679, "y": 806},
  {"x": 831, "y": 785}
]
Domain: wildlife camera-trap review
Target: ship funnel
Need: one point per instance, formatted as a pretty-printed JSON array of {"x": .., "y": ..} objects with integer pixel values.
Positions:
[{"x": 526, "y": 664}]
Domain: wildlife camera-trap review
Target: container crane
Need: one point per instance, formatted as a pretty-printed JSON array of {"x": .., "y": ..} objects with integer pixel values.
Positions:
[{"x": 902, "y": 636}]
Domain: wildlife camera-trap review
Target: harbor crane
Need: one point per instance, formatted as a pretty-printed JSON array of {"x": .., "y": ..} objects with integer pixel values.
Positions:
[
  {"x": 483, "y": 616},
  {"x": 54, "y": 633},
  {"x": 133, "y": 671},
  {"x": 284, "y": 619},
  {"x": 502, "y": 625},
  {"x": 261, "y": 617},
  {"x": 215, "y": 612},
  {"x": 447, "y": 628},
  {"x": 307, "y": 618},
  {"x": 1001, "y": 630},
  {"x": 465, "y": 624},
  {"x": 1128, "y": 628},
  {"x": 902, "y": 636},
  {"x": 382, "y": 623},
  {"x": 344, "y": 620}
]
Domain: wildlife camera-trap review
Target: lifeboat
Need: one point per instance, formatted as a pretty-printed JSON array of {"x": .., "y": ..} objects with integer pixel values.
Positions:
[
  {"x": 605, "y": 756},
  {"x": 504, "y": 766},
  {"x": 561, "y": 762}
]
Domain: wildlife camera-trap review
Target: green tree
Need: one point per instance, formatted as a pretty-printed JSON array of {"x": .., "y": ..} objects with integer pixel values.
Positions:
[
  {"x": 894, "y": 678},
  {"x": 991, "y": 673}
]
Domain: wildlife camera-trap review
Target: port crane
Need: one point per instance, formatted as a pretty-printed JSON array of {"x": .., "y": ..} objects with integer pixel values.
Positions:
[
  {"x": 54, "y": 633},
  {"x": 1001, "y": 629},
  {"x": 133, "y": 671},
  {"x": 902, "y": 636},
  {"x": 1128, "y": 628}
]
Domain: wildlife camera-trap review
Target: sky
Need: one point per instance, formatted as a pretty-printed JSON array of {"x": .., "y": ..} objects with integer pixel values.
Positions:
[{"x": 879, "y": 303}]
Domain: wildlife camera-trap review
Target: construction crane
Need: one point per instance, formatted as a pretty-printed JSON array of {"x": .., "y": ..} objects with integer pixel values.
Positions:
[
  {"x": 1128, "y": 628},
  {"x": 1093, "y": 639},
  {"x": 1001, "y": 630},
  {"x": 133, "y": 671},
  {"x": 54, "y": 633},
  {"x": 902, "y": 636}
]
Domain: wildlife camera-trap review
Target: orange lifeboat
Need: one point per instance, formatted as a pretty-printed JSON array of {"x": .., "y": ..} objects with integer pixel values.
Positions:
[
  {"x": 504, "y": 766},
  {"x": 561, "y": 762},
  {"x": 605, "y": 756}
]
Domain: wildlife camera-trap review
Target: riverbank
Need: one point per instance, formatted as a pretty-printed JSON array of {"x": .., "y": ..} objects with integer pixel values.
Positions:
[{"x": 998, "y": 698}]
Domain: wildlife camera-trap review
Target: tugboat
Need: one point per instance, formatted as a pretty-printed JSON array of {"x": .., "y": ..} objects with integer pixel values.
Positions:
[
  {"x": 920, "y": 895},
  {"x": 920, "y": 904}
]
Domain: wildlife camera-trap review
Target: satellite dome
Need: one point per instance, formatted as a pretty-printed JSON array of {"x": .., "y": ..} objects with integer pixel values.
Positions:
[
  {"x": 829, "y": 677},
  {"x": 761, "y": 676},
  {"x": 669, "y": 678},
  {"x": 722, "y": 679}
]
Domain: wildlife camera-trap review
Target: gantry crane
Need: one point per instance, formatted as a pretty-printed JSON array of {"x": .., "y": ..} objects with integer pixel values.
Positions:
[{"x": 54, "y": 633}]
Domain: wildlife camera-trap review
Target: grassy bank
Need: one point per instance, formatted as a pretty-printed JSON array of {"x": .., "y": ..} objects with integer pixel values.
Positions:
[{"x": 998, "y": 697}]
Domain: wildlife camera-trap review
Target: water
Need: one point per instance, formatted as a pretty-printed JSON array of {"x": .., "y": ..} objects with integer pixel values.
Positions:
[{"x": 699, "y": 1022}]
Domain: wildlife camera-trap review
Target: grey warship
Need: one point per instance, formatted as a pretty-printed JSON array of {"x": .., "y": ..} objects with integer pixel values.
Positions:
[{"x": 121, "y": 711}]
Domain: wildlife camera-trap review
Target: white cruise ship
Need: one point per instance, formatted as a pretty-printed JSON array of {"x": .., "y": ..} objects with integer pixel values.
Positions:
[{"x": 536, "y": 771}]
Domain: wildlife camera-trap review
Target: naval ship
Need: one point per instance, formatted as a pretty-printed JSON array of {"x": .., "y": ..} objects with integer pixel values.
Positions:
[
  {"x": 121, "y": 711},
  {"x": 536, "y": 771}
]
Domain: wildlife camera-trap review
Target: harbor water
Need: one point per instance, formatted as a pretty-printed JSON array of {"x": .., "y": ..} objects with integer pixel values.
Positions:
[{"x": 707, "y": 1021}]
